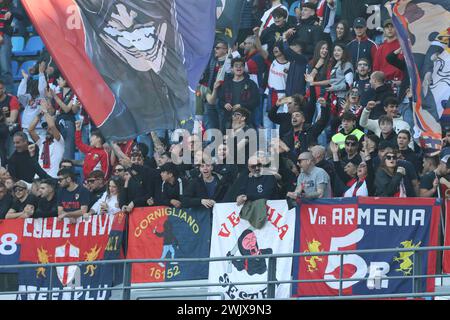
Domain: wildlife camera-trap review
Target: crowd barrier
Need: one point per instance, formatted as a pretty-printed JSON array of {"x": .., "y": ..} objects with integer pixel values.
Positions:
[{"x": 322, "y": 249}]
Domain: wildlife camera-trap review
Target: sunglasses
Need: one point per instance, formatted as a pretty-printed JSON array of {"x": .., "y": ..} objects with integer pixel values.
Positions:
[
  {"x": 391, "y": 157},
  {"x": 350, "y": 144}
]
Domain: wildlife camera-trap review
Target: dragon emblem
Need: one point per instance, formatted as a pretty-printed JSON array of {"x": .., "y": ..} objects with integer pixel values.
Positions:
[
  {"x": 313, "y": 246},
  {"x": 43, "y": 258},
  {"x": 91, "y": 256},
  {"x": 406, "y": 264}
]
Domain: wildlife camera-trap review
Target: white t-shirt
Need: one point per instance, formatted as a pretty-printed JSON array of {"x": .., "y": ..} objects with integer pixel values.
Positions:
[
  {"x": 56, "y": 155},
  {"x": 267, "y": 19},
  {"x": 278, "y": 75}
]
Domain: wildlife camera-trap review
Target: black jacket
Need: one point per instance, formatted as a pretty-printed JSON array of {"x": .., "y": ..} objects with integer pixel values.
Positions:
[
  {"x": 263, "y": 187},
  {"x": 308, "y": 135},
  {"x": 309, "y": 33},
  {"x": 22, "y": 166},
  {"x": 386, "y": 185},
  {"x": 196, "y": 191},
  {"x": 381, "y": 93},
  {"x": 165, "y": 192},
  {"x": 142, "y": 185}
]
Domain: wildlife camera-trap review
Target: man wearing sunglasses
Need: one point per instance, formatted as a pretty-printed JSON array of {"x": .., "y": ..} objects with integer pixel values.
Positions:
[
  {"x": 256, "y": 186},
  {"x": 24, "y": 202},
  {"x": 96, "y": 185},
  {"x": 313, "y": 182},
  {"x": 72, "y": 199}
]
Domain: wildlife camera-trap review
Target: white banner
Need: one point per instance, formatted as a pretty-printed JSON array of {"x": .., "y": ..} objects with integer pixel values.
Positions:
[{"x": 234, "y": 236}]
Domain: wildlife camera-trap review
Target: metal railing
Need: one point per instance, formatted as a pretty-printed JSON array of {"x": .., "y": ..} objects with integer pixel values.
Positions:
[{"x": 126, "y": 287}]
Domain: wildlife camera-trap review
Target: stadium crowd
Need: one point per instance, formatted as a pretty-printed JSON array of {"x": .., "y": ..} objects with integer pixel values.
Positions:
[{"x": 335, "y": 92}]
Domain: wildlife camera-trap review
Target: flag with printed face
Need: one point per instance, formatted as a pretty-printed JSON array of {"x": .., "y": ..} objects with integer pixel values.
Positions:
[
  {"x": 423, "y": 32},
  {"x": 131, "y": 62}
]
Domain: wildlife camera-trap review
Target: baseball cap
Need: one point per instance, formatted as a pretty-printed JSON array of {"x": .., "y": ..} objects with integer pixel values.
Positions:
[
  {"x": 21, "y": 184},
  {"x": 359, "y": 23},
  {"x": 386, "y": 22}
]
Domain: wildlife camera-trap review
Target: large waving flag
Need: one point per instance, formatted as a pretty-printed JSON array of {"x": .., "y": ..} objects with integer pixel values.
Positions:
[
  {"x": 422, "y": 29},
  {"x": 228, "y": 14},
  {"x": 130, "y": 62}
]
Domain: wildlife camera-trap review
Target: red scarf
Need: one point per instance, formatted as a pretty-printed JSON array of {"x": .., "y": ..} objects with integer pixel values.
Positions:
[{"x": 45, "y": 157}]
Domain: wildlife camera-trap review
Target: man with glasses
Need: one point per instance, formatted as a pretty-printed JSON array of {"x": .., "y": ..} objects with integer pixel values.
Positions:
[
  {"x": 257, "y": 186},
  {"x": 313, "y": 182},
  {"x": 24, "y": 202},
  {"x": 362, "y": 80},
  {"x": 96, "y": 185},
  {"x": 72, "y": 199}
]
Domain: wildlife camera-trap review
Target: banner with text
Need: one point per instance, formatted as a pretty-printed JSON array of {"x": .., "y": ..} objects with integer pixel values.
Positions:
[
  {"x": 359, "y": 224},
  {"x": 10, "y": 243},
  {"x": 233, "y": 236},
  {"x": 51, "y": 241},
  {"x": 446, "y": 258},
  {"x": 162, "y": 232}
]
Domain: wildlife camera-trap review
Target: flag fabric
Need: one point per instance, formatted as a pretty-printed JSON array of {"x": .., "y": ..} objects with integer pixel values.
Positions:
[
  {"x": 10, "y": 243},
  {"x": 228, "y": 13},
  {"x": 344, "y": 224},
  {"x": 233, "y": 236},
  {"x": 422, "y": 30},
  {"x": 51, "y": 241},
  {"x": 162, "y": 232},
  {"x": 131, "y": 62}
]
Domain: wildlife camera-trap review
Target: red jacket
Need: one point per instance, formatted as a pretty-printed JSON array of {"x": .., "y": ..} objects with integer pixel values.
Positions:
[
  {"x": 95, "y": 158},
  {"x": 380, "y": 63}
]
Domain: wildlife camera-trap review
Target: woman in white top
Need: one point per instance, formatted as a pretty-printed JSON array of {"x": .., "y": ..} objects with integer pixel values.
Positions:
[{"x": 110, "y": 201}]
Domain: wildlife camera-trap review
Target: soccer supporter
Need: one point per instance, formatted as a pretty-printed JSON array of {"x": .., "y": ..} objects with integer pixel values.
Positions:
[
  {"x": 313, "y": 182},
  {"x": 320, "y": 67},
  {"x": 273, "y": 34},
  {"x": 217, "y": 63},
  {"x": 47, "y": 205},
  {"x": 228, "y": 170},
  {"x": 72, "y": 199},
  {"x": 4, "y": 140},
  {"x": 236, "y": 92},
  {"x": 389, "y": 177},
  {"x": 361, "y": 46},
  {"x": 352, "y": 104},
  {"x": 112, "y": 200},
  {"x": 96, "y": 157},
  {"x": 206, "y": 189},
  {"x": 348, "y": 127},
  {"x": 51, "y": 149},
  {"x": 284, "y": 119},
  {"x": 23, "y": 165},
  {"x": 343, "y": 34},
  {"x": 380, "y": 91},
  {"x": 300, "y": 137},
  {"x": 267, "y": 19},
  {"x": 307, "y": 30},
  {"x": 389, "y": 45},
  {"x": 24, "y": 203},
  {"x": 172, "y": 188},
  {"x": 293, "y": 52},
  {"x": 96, "y": 184},
  {"x": 7, "y": 13},
  {"x": 362, "y": 80},
  {"x": 255, "y": 185},
  {"x": 10, "y": 107},
  {"x": 408, "y": 154},
  {"x": 436, "y": 182}
]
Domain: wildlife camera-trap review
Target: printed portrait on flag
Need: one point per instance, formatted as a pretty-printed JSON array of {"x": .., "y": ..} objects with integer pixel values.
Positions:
[
  {"x": 137, "y": 48},
  {"x": 427, "y": 34},
  {"x": 236, "y": 237},
  {"x": 131, "y": 63}
]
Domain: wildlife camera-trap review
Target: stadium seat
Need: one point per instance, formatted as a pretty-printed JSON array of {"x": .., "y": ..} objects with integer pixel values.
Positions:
[
  {"x": 25, "y": 66},
  {"x": 18, "y": 44},
  {"x": 33, "y": 47}
]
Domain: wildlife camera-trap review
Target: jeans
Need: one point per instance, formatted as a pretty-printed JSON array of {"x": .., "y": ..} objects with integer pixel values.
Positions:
[{"x": 5, "y": 63}]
